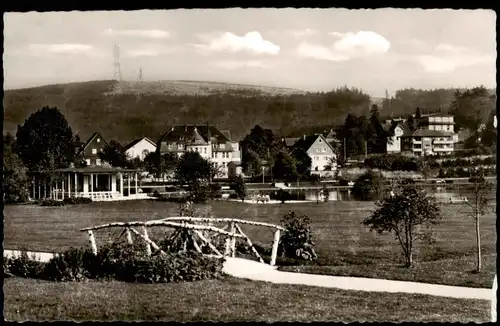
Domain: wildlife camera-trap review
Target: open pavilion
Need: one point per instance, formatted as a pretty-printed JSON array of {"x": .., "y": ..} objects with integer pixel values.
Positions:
[{"x": 100, "y": 183}]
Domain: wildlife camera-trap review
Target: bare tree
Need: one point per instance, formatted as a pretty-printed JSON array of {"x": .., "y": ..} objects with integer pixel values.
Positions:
[{"x": 479, "y": 205}]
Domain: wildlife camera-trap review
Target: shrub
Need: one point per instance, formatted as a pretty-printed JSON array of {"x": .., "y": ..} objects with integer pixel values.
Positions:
[
  {"x": 71, "y": 265},
  {"x": 77, "y": 200},
  {"x": 215, "y": 191},
  {"x": 283, "y": 195},
  {"x": 296, "y": 242},
  {"x": 51, "y": 202},
  {"x": 368, "y": 186},
  {"x": 23, "y": 266},
  {"x": 122, "y": 262}
]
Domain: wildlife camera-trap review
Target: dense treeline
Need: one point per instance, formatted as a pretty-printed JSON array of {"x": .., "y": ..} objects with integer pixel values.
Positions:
[{"x": 129, "y": 116}]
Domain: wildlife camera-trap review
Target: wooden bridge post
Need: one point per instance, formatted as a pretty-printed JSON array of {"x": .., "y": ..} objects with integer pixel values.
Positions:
[
  {"x": 93, "y": 245},
  {"x": 146, "y": 237},
  {"x": 233, "y": 240},
  {"x": 129, "y": 236},
  {"x": 228, "y": 245},
  {"x": 274, "y": 252}
]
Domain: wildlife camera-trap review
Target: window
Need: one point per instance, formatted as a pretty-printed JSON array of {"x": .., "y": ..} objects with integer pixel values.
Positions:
[
  {"x": 181, "y": 138},
  {"x": 94, "y": 151},
  {"x": 196, "y": 149},
  {"x": 320, "y": 141},
  {"x": 205, "y": 150},
  {"x": 179, "y": 146},
  {"x": 87, "y": 161},
  {"x": 97, "y": 161},
  {"x": 98, "y": 140},
  {"x": 221, "y": 146},
  {"x": 324, "y": 149},
  {"x": 317, "y": 150}
]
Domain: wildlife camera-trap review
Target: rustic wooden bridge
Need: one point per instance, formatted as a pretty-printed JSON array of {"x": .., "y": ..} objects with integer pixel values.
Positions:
[{"x": 200, "y": 233}]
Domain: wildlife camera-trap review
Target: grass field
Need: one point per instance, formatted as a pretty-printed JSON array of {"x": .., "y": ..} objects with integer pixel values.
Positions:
[
  {"x": 343, "y": 244},
  {"x": 225, "y": 300}
]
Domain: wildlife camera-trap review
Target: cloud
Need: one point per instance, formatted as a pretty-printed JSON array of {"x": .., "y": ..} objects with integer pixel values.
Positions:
[
  {"x": 347, "y": 46},
  {"x": 319, "y": 52},
  {"x": 250, "y": 42},
  {"x": 62, "y": 48},
  {"x": 303, "y": 32},
  {"x": 241, "y": 64},
  {"x": 151, "y": 33},
  {"x": 447, "y": 58}
]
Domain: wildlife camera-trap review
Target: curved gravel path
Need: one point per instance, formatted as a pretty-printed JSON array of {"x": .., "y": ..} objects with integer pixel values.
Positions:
[{"x": 253, "y": 270}]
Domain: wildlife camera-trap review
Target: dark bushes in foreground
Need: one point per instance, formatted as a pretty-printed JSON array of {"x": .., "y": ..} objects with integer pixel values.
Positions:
[
  {"x": 121, "y": 262},
  {"x": 66, "y": 201}
]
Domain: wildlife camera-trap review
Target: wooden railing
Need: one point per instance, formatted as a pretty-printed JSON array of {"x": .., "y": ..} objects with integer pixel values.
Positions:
[{"x": 197, "y": 232}]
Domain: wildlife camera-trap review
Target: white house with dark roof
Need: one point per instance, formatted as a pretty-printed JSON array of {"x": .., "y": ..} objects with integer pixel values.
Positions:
[
  {"x": 208, "y": 141},
  {"x": 139, "y": 148},
  {"x": 320, "y": 151}
]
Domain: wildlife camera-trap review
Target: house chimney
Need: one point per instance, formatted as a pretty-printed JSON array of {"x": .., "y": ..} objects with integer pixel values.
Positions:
[{"x": 304, "y": 137}]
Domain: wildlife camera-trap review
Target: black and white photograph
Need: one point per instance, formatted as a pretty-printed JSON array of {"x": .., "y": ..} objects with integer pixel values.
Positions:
[{"x": 250, "y": 165}]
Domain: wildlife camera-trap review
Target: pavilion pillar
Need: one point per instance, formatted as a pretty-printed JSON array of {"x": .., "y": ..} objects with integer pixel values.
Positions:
[
  {"x": 62, "y": 186},
  {"x": 128, "y": 183},
  {"x": 69, "y": 185},
  {"x": 57, "y": 191},
  {"x": 135, "y": 176},
  {"x": 34, "y": 188},
  {"x": 86, "y": 178},
  {"x": 39, "y": 190},
  {"x": 92, "y": 185},
  {"x": 76, "y": 185},
  {"x": 109, "y": 182},
  {"x": 121, "y": 184},
  {"x": 113, "y": 182}
]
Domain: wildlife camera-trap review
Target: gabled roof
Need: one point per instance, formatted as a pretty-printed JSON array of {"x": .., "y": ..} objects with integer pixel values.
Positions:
[
  {"x": 87, "y": 143},
  {"x": 226, "y": 133},
  {"x": 194, "y": 135},
  {"x": 290, "y": 141},
  {"x": 406, "y": 129},
  {"x": 306, "y": 142},
  {"x": 431, "y": 133},
  {"x": 134, "y": 142}
]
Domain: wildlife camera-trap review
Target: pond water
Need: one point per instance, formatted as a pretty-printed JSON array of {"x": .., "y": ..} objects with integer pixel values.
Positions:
[{"x": 440, "y": 193}]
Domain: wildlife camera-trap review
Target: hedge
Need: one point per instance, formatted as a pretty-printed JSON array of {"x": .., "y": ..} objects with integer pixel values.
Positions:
[{"x": 121, "y": 262}]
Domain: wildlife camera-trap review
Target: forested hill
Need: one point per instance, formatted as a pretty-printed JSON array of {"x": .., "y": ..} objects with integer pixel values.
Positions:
[{"x": 127, "y": 111}]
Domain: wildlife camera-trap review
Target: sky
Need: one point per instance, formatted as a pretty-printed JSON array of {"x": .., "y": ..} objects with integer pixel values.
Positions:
[{"x": 308, "y": 49}]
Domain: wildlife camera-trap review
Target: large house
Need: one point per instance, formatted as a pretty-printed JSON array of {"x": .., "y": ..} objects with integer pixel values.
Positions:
[
  {"x": 89, "y": 152},
  {"x": 139, "y": 148},
  {"x": 434, "y": 136},
  {"x": 208, "y": 140},
  {"x": 320, "y": 151}
]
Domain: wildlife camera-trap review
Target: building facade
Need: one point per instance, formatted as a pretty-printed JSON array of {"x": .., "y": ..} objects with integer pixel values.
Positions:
[
  {"x": 321, "y": 152},
  {"x": 208, "y": 141},
  {"x": 139, "y": 148},
  {"x": 434, "y": 136},
  {"x": 89, "y": 152}
]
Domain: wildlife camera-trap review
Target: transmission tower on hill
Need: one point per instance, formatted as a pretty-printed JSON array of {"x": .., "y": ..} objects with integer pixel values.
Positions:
[
  {"x": 117, "y": 71},
  {"x": 140, "y": 75}
]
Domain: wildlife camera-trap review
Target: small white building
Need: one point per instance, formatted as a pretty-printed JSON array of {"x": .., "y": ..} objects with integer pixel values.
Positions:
[
  {"x": 139, "y": 148},
  {"x": 320, "y": 151},
  {"x": 394, "y": 143}
]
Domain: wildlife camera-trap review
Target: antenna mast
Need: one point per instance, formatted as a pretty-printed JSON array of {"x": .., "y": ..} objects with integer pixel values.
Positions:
[{"x": 117, "y": 71}]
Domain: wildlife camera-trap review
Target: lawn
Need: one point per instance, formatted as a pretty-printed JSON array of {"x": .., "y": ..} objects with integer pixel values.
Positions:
[
  {"x": 225, "y": 300},
  {"x": 343, "y": 244}
]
